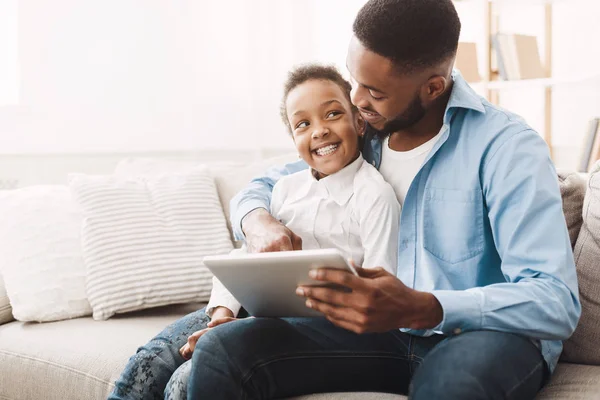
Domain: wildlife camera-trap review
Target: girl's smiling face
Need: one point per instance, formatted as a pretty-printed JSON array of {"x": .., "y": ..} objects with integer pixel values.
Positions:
[{"x": 324, "y": 127}]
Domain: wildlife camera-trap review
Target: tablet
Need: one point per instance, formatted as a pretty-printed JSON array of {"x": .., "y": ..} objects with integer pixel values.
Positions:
[{"x": 265, "y": 283}]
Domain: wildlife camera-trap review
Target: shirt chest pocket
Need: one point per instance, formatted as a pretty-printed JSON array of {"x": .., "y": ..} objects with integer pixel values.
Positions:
[{"x": 453, "y": 224}]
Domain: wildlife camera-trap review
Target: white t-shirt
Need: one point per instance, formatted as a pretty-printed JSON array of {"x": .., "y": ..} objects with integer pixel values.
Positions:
[
  {"x": 354, "y": 210},
  {"x": 399, "y": 168}
]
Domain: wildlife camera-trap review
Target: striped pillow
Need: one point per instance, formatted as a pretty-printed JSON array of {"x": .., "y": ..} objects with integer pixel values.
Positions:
[{"x": 144, "y": 239}]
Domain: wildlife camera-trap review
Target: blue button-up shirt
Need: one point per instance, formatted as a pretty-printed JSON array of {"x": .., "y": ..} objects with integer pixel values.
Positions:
[{"x": 482, "y": 226}]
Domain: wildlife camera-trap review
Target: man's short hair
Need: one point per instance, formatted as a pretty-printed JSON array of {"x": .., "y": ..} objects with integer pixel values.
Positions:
[
  {"x": 414, "y": 34},
  {"x": 309, "y": 72}
]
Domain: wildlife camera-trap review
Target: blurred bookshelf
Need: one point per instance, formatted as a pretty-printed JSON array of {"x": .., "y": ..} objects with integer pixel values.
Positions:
[{"x": 512, "y": 61}]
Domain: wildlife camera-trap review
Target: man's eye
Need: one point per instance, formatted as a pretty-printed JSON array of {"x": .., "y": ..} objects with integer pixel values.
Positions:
[
  {"x": 333, "y": 114},
  {"x": 302, "y": 124},
  {"x": 375, "y": 97}
]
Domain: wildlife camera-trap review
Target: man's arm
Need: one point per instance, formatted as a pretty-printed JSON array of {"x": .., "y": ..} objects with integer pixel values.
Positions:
[
  {"x": 540, "y": 297},
  {"x": 257, "y": 196}
]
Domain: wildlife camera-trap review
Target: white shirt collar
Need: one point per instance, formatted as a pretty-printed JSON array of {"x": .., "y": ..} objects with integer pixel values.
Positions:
[{"x": 339, "y": 186}]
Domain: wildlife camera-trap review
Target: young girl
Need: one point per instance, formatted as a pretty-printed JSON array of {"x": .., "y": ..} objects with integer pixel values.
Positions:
[{"x": 340, "y": 202}]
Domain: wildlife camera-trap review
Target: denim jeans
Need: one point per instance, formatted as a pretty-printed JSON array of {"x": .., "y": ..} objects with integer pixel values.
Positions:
[
  {"x": 271, "y": 358},
  {"x": 159, "y": 363},
  {"x": 267, "y": 358}
]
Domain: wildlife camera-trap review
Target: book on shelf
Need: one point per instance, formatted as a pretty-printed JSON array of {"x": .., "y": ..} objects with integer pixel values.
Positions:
[
  {"x": 467, "y": 62},
  {"x": 591, "y": 146},
  {"x": 517, "y": 56}
]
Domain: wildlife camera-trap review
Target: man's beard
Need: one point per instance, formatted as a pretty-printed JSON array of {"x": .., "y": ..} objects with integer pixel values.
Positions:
[{"x": 413, "y": 114}]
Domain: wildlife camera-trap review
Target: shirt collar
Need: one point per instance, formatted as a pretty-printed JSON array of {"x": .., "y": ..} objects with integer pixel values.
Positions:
[
  {"x": 340, "y": 186},
  {"x": 463, "y": 96}
]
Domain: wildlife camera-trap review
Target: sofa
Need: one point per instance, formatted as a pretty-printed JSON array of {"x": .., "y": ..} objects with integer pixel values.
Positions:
[{"x": 80, "y": 358}]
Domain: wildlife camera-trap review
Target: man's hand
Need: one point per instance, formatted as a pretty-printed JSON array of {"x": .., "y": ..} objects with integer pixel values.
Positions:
[
  {"x": 221, "y": 315},
  {"x": 378, "y": 302},
  {"x": 265, "y": 234}
]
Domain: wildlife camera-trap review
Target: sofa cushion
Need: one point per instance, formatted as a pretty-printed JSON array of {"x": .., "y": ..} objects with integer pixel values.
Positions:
[
  {"x": 5, "y": 308},
  {"x": 144, "y": 239},
  {"x": 40, "y": 254},
  {"x": 75, "y": 359},
  {"x": 572, "y": 382},
  {"x": 583, "y": 346},
  {"x": 572, "y": 191}
]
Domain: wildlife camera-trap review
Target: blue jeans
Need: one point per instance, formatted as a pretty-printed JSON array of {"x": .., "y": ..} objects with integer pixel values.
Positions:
[
  {"x": 267, "y": 358},
  {"x": 157, "y": 370},
  {"x": 270, "y": 358}
]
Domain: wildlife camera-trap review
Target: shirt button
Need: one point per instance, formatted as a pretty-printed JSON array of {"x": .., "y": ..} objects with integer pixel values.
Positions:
[
  {"x": 373, "y": 162},
  {"x": 457, "y": 331}
]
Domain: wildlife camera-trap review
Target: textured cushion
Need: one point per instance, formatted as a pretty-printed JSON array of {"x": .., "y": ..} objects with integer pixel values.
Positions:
[
  {"x": 40, "y": 254},
  {"x": 572, "y": 191},
  {"x": 5, "y": 308},
  {"x": 144, "y": 239},
  {"x": 584, "y": 345},
  {"x": 572, "y": 382},
  {"x": 230, "y": 177},
  {"x": 75, "y": 359}
]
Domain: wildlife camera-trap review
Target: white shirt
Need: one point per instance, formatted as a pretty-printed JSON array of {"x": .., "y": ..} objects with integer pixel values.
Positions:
[
  {"x": 354, "y": 210},
  {"x": 399, "y": 168}
]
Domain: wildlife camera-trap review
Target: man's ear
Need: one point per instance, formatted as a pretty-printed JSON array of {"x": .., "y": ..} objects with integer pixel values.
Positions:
[
  {"x": 361, "y": 125},
  {"x": 434, "y": 88}
]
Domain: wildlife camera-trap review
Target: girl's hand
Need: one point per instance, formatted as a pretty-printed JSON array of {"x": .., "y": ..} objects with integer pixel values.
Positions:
[{"x": 221, "y": 315}]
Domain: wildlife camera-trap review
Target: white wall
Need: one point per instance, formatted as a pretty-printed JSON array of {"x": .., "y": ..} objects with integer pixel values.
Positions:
[
  {"x": 186, "y": 75},
  {"x": 9, "y": 71},
  {"x": 155, "y": 75}
]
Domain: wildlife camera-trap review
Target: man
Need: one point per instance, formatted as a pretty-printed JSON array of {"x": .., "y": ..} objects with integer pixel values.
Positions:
[{"x": 486, "y": 286}]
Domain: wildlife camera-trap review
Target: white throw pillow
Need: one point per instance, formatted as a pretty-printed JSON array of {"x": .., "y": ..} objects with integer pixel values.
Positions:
[
  {"x": 144, "y": 239},
  {"x": 5, "y": 308},
  {"x": 40, "y": 254}
]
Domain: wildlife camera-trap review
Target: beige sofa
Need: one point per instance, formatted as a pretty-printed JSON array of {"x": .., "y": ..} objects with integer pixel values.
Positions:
[{"x": 81, "y": 358}]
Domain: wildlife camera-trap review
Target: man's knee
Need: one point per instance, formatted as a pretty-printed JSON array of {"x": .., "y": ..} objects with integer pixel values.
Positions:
[
  {"x": 479, "y": 365},
  {"x": 236, "y": 347},
  {"x": 455, "y": 384},
  {"x": 446, "y": 372},
  {"x": 239, "y": 338}
]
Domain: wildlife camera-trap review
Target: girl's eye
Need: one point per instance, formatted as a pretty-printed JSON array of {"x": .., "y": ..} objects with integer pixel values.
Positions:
[
  {"x": 302, "y": 124},
  {"x": 333, "y": 114}
]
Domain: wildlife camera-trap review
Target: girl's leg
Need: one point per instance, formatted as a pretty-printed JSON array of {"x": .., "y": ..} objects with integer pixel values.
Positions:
[
  {"x": 148, "y": 371},
  {"x": 177, "y": 386}
]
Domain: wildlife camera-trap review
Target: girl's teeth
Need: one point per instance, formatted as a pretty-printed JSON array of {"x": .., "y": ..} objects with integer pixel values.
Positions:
[{"x": 325, "y": 151}]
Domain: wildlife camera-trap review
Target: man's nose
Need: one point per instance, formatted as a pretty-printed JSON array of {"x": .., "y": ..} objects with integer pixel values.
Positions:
[{"x": 358, "y": 98}]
